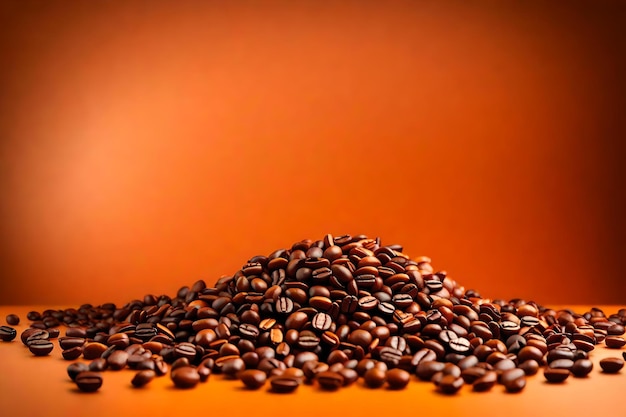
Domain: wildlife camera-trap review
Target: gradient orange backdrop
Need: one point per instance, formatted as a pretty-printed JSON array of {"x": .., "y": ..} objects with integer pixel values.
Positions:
[{"x": 145, "y": 145}]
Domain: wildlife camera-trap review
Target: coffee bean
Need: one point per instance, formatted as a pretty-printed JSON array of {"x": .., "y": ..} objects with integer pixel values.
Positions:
[
  {"x": 562, "y": 364},
  {"x": 484, "y": 382},
  {"x": 530, "y": 367},
  {"x": 374, "y": 377},
  {"x": 232, "y": 367},
  {"x": 515, "y": 385},
  {"x": 98, "y": 365},
  {"x": 76, "y": 368},
  {"x": 397, "y": 378},
  {"x": 253, "y": 378},
  {"x": 614, "y": 342},
  {"x": 40, "y": 347},
  {"x": 117, "y": 360},
  {"x": 555, "y": 375},
  {"x": 581, "y": 368},
  {"x": 426, "y": 369},
  {"x": 321, "y": 322},
  {"x": 142, "y": 378},
  {"x": 611, "y": 365},
  {"x": 72, "y": 353},
  {"x": 350, "y": 376},
  {"x": 510, "y": 375},
  {"x": 284, "y": 385},
  {"x": 450, "y": 384},
  {"x": 185, "y": 377},
  {"x": 13, "y": 319},
  {"x": 93, "y": 350},
  {"x": 88, "y": 381},
  {"x": 7, "y": 333},
  {"x": 329, "y": 380}
]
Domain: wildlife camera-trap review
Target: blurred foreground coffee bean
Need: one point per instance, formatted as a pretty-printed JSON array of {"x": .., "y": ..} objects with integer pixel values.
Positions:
[
  {"x": 88, "y": 381},
  {"x": 13, "y": 319},
  {"x": 7, "y": 333}
]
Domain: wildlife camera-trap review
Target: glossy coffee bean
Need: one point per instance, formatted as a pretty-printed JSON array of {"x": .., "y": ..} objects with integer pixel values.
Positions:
[
  {"x": 374, "y": 377},
  {"x": 185, "y": 377},
  {"x": 284, "y": 385},
  {"x": 611, "y": 365},
  {"x": 142, "y": 378},
  {"x": 556, "y": 375},
  {"x": 397, "y": 378},
  {"x": 7, "y": 333},
  {"x": 329, "y": 381},
  {"x": 88, "y": 381},
  {"x": 253, "y": 378},
  {"x": 13, "y": 319},
  {"x": 40, "y": 347}
]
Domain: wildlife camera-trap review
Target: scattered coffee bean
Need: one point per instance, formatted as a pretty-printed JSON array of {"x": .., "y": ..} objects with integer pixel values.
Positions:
[
  {"x": 185, "y": 377},
  {"x": 450, "y": 384},
  {"x": 7, "y": 333},
  {"x": 88, "y": 381},
  {"x": 485, "y": 382},
  {"x": 374, "y": 377},
  {"x": 284, "y": 385},
  {"x": 330, "y": 381},
  {"x": 142, "y": 378},
  {"x": 555, "y": 375},
  {"x": 612, "y": 342},
  {"x": 253, "y": 378},
  {"x": 397, "y": 378},
  {"x": 40, "y": 347},
  {"x": 611, "y": 365},
  {"x": 13, "y": 319}
]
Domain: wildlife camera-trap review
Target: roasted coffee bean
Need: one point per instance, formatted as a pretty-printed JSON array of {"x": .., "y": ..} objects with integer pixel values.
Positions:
[
  {"x": 38, "y": 334},
  {"x": 7, "y": 333},
  {"x": 555, "y": 375},
  {"x": 374, "y": 377},
  {"x": 232, "y": 367},
  {"x": 117, "y": 360},
  {"x": 329, "y": 380},
  {"x": 470, "y": 375},
  {"x": 426, "y": 369},
  {"x": 321, "y": 322},
  {"x": 284, "y": 385},
  {"x": 93, "y": 350},
  {"x": 253, "y": 378},
  {"x": 581, "y": 368},
  {"x": 13, "y": 319},
  {"x": 185, "y": 377},
  {"x": 611, "y": 365},
  {"x": 350, "y": 376},
  {"x": 142, "y": 378},
  {"x": 76, "y": 368},
  {"x": 40, "y": 347},
  {"x": 88, "y": 381},
  {"x": 397, "y": 378},
  {"x": 515, "y": 385},
  {"x": 562, "y": 364},
  {"x": 615, "y": 342},
  {"x": 530, "y": 367},
  {"x": 71, "y": 342},
  {"x": 484, "y": 382},
  {"x": 98, "y": 365},
  {"x": 450, "y": 384},
  {"x": 72, "y": 353}
]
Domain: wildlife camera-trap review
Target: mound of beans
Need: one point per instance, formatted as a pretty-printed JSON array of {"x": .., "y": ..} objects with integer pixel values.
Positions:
[{"x": 330, "y": 312}]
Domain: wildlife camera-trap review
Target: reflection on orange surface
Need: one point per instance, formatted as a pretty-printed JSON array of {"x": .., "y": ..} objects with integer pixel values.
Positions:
[{"x": 147, "y": 145}]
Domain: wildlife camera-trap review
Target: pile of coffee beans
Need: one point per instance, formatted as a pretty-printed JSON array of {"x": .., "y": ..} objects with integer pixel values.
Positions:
[{"x": 328, "y": 312}]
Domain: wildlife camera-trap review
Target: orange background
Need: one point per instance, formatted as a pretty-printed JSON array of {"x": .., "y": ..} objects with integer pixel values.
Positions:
[{"x": 147, "y": 144}]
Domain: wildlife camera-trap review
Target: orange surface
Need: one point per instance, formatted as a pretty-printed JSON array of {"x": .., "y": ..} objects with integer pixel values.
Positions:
[
  {"x": 31, "y": 386},
  {"x": 146, "y": 144}
]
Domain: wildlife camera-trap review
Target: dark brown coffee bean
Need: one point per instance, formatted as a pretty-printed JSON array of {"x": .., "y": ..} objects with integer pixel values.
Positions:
[
  {"x": 88, "y": 381},
  {"x": 284, "y": 385},
  {"x": 98, "y": 365},
  {"x": 426, "y": 369},
  {"x": 530, "y": 367},
  {"x": 510, "y": 374},
  {"x": 185, "y": 377},
  {"x": 581, "y": 368},
  {"x": 562, "y": 364},
  {"x": 76, "y": 368},
  {"x": 72, "y": 353},
  {"x": 37, "y": 334},
  {"x": 13, "y": 319},
  {"x": 71, "y": 342},
  {"x": 253, "y": 378},
  {"x": 142, "y": 378},
  {"x": 450, "y": 384},
  {"x": 611, "y": 365},
  {"x": 40, "y": 347},
  {"x": 350, "y": 376},
  {"x": 7, "y": 333},
  {"x": 555, "y": 375},
  {"x": 232, "y": 367},
  {"x": 470, "y": 375},
  {"x": 329, "y": 380},
  {"x": 515, "y": 385},
  {"x": 117, "y": 360},
  {"x": 397, "y": 378},
  {"x": 528, "y": 353},
  {"x": 614, "y": 342},
  {"x": 484, "y": 382},
  {"x": 375, "y": 377}
]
